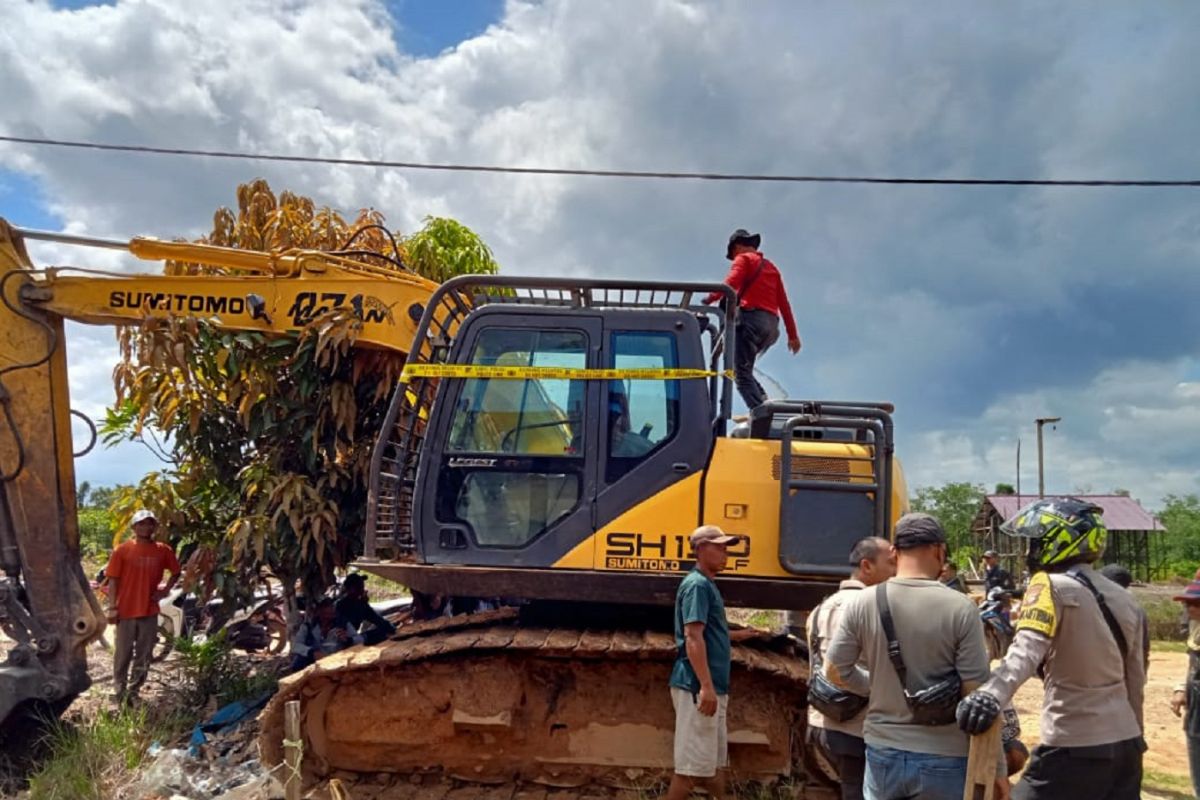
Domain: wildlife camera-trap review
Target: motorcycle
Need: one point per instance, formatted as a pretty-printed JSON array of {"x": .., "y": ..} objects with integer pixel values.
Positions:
[
  {"x": 261, "y": 627},
  {"x": 996, "y": 613}
]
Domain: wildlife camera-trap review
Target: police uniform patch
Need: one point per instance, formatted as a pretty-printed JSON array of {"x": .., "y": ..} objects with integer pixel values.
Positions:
[{"x": 1037, "y": 607}]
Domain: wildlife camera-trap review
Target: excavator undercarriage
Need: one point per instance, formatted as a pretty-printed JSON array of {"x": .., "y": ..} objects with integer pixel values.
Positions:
[{"x": 498, "y": 697}]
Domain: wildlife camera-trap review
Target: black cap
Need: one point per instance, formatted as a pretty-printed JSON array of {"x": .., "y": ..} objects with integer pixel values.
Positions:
[
  {"x": 355, "y": 578},
  {"x": 918, "y": 530},
  {"x": 742, "y": 236}
]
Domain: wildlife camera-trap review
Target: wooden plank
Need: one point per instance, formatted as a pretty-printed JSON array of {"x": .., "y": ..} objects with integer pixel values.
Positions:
[
  {"x": 292, "y": 746},
  {"x": 981, "y": 764}
]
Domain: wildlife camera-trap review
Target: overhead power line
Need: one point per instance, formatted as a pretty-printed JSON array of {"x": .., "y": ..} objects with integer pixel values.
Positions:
[{"x": 591, "y": 173}]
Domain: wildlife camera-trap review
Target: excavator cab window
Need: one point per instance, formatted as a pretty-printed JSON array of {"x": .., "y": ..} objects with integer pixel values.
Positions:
[
  {"x": 541, "y": 416},
  {"x": 642, "y": 414},
  {"x": 540, "y": 421}
]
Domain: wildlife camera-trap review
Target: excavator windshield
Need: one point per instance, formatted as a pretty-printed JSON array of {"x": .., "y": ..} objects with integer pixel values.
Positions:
[{"x": 537, "y": 416}]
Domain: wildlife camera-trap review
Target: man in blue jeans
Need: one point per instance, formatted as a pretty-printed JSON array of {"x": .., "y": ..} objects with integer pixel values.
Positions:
[{"x": 939, "y": 633}]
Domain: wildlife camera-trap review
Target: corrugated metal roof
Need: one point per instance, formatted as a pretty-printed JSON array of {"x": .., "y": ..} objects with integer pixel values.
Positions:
[{"x": 1120, "y": 513}]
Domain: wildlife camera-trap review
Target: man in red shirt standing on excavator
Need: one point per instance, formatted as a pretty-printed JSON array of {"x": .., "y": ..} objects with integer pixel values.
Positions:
[{"x": 762, "y": 300}]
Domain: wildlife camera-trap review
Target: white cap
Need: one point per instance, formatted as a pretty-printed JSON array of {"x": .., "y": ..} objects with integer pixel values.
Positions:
[{"x": 142, "y": 515}]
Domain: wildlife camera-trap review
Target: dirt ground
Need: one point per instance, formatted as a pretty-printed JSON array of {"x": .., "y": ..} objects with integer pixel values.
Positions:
[
  {"x": 1166, "y": 759},
  {"x": 1164, "y": 735}
]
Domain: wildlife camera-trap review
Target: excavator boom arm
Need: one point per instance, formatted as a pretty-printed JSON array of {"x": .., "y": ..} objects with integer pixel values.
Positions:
[
  {"x": 267, "y": 304},
  {"x": 47, "y": 609}
]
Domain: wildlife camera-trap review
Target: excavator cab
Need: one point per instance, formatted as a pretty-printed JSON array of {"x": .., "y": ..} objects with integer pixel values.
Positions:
[{"x": 512, "y": 486}]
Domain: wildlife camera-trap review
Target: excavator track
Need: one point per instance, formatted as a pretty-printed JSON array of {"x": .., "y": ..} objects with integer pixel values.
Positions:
[{"x": 490, "y": 698}]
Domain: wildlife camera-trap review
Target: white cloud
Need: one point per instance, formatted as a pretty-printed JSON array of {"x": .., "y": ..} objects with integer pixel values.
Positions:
[
  {"x": 1135, "y": 426},
  {"x": 950, "y": 302}
]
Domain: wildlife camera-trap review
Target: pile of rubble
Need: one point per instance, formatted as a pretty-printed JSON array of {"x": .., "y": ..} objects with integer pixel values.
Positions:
[{"x": 221, "y": 761}]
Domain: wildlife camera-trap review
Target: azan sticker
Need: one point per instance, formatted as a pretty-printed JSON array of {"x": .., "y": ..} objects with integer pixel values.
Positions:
[{"x": 1038, "y": 613}]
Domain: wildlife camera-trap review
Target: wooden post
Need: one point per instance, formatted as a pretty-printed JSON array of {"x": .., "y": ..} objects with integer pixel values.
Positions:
[
  {"x": 981, "y": 764},
  {"x": 292, "y": 749}
]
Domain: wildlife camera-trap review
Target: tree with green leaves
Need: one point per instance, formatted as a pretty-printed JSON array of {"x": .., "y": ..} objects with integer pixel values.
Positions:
[
  {"x": 1181, "y": 518},
  {"x": 955, "y": 505},
  {"x": 268, "y": 438}
]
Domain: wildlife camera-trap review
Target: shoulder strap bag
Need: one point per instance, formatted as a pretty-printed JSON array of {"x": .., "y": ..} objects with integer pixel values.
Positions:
[
  {"x": 837, "y": 704},
  {"x": 932, "y": 705}
]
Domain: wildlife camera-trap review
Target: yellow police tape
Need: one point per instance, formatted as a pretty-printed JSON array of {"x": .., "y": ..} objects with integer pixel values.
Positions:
[{"x": 554, "y": 373}]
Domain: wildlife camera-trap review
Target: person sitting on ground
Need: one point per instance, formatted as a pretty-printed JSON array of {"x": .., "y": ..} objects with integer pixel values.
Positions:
[
  {"x": 355, "y": 609},
  {"x": 322, "y": 633},
  {"x": 951, "y": 578},
  {"x": 1122, "y": 577}
]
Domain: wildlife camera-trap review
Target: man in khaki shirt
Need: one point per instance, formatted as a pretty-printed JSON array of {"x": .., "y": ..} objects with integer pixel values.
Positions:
[
  {"x": 1084, "y": 633},
  {"x": 842, "y": 743},
  {"x": 939, "y": 633}
]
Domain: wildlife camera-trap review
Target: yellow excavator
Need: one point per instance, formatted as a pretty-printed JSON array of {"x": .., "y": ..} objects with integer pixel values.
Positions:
[{"x": 552, "y": 444}]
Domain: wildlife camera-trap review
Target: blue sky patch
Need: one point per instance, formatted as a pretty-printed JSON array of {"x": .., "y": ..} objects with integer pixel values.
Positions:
[
  {"x": 22, "y": 202},
  {"x": 427, "y": 27}
]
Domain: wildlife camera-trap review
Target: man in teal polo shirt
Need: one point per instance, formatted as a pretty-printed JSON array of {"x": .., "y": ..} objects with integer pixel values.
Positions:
[{"x": 700, "y": 677}]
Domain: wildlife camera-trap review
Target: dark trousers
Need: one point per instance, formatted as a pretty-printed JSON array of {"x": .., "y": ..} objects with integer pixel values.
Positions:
[
  {"x": 848, "y": 754},
  {"x": 134, "y": 646},
  {"x": 1102, "y": 772},
  {"x": 756, "y": 331}
]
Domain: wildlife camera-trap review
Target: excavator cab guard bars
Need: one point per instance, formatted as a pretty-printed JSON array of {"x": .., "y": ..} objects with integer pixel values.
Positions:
[{"x": 826, "y": 504}]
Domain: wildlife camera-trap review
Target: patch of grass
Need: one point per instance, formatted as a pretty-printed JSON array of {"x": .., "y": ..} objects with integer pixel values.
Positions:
[
  {"x": 783, "y": 790},
  {"x": 1168, "y": 647},
  {"x": 756, "y": 618},
  {"x": 210, "y": 669},
  {"x": 1165, "y": 617},
  {"x": 95, "y": 759},
  {"x": 1173, "y": 787}
]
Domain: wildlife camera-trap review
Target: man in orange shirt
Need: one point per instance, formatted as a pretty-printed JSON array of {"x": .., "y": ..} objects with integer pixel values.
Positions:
[
  {"x": 762, "y": 300},
  {"x": 134, "y": 570}
]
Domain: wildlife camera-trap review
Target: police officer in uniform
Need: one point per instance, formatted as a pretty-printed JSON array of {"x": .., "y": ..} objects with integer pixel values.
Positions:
[{"x": 1082, "y": 633}]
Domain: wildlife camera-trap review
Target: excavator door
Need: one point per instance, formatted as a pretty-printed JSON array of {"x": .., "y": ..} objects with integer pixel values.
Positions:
[{"x": 519, "y": 472}]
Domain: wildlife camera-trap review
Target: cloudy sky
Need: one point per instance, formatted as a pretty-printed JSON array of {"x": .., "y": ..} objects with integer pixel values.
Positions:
[{"x": 975, "y": 310}]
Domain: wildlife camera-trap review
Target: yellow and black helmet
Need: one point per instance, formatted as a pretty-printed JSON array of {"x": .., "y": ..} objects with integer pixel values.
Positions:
[{"x": 1061, "y": 530}]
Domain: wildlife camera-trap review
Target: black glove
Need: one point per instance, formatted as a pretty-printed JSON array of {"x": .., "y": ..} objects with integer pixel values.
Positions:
[{"x": 977, "y": 712}]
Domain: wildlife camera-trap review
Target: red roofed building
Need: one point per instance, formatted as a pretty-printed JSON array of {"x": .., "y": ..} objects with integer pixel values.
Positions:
[{"x": 1134, "y": 534}]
